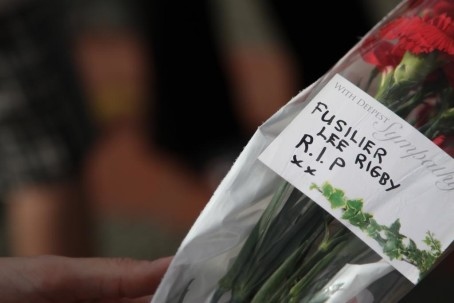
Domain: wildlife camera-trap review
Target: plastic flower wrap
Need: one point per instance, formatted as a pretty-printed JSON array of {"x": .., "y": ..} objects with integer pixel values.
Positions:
[{"x": 345, "y": 194}]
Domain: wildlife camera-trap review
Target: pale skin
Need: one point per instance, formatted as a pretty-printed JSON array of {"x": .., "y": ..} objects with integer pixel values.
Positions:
[{"x": 50, "y": 278}]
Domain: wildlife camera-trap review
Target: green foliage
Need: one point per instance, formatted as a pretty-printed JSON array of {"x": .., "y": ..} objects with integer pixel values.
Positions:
[
  {"x": 292, "y": 251},
  {"x": 296, "y": 247},
  {"x": 394, "y": 244}
]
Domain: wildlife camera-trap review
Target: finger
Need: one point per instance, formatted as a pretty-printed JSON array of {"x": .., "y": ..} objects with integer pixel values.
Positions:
[
  {"x": 146, "y": 299},
  {"x": 115, "y": 277}
]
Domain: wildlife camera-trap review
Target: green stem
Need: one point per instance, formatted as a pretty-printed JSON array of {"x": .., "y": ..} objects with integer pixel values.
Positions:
[
  {"x": 297, "y": 292},
  {"x": 272, "y": 284},
  {"x": 226, "y": 283}
]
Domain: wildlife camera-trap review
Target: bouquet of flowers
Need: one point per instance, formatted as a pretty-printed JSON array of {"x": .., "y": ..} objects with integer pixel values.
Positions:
[{"x": 346, "y": 192}]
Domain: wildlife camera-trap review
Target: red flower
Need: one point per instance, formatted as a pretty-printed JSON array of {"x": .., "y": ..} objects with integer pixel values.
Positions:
[
  {"x": 439, "y": 140},
  {"x": 432, "y": 8},
  {"x": 446, "y": 143},
  {"x": 382, "y": 54},
  {"x": 444, "y": 7},
  {"x": 421, "y": 34},
  {"x": 414, "y": 34}
]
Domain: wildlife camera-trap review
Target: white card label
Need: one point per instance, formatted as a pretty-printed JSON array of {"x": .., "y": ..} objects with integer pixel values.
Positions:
[{"x": 392, "y": 186}]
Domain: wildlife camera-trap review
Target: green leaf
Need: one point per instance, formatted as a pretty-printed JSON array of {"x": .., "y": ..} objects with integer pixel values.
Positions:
[
  {"x": 360, "y": 220},
  {"x": 327, "y": 190},
  {"x": 337, "y": 199},
  {"x": 356, "y": 204},
  {"x": 395, "y": 227},
  {"x": 392, "y": 249},
  {"x": 349, "y": 213}
]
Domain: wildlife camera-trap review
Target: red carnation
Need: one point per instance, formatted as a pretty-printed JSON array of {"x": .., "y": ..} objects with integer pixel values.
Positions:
[
  {"x": 444, "y": 7},
  {"x": 421, "y": 34},
  {"x": 382, "y": 54}
]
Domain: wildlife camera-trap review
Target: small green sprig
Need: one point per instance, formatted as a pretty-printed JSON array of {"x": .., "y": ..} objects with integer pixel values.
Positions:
[{"x": 394, "y": 244}]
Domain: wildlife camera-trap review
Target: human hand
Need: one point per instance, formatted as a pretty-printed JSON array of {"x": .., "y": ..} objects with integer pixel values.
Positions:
[{"x": 45, "y": 279}]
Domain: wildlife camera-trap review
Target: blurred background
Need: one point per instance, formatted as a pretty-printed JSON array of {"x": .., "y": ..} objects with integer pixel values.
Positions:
[{"x": 118, "y": 119}]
